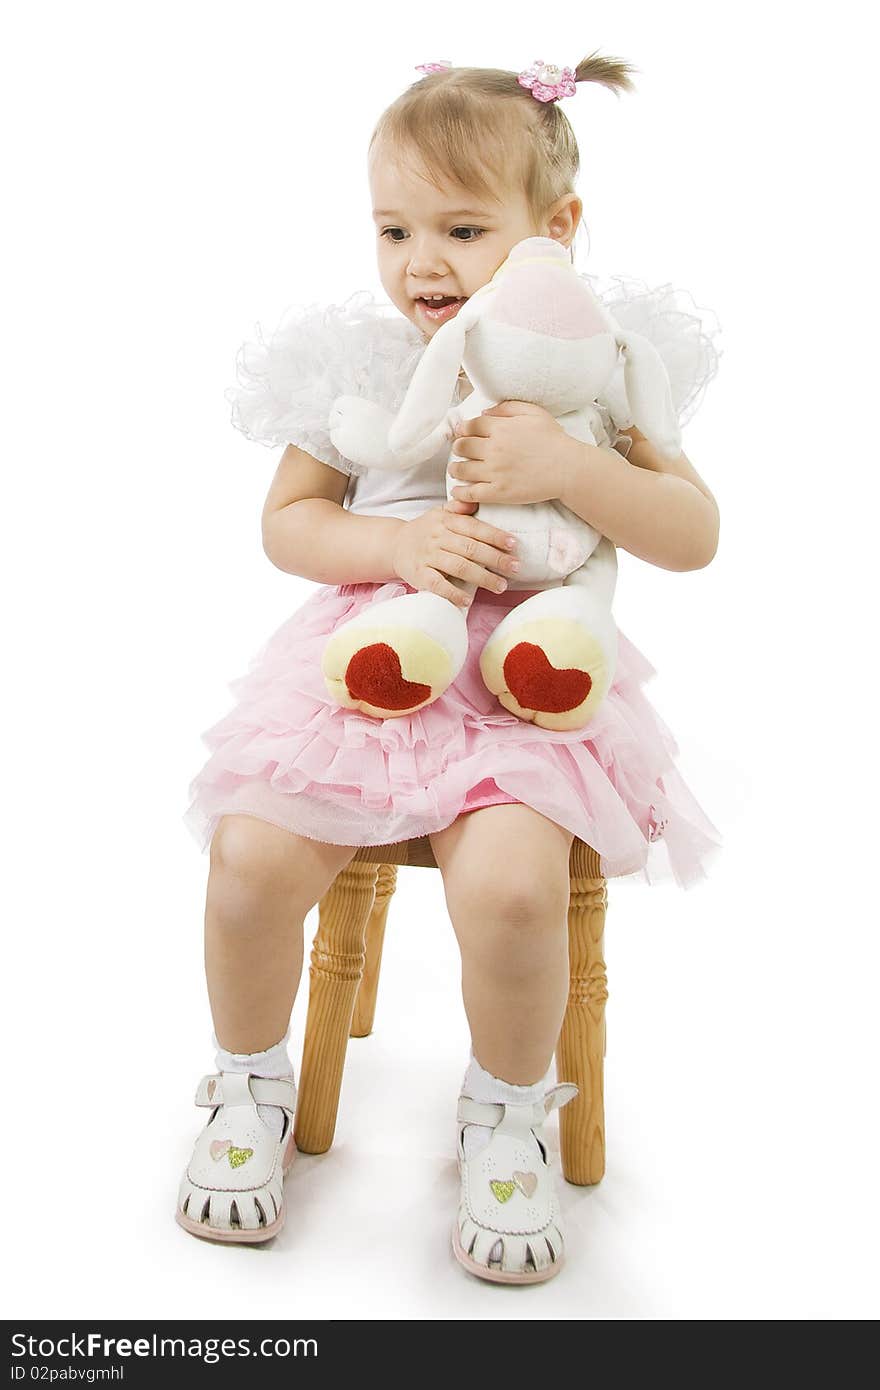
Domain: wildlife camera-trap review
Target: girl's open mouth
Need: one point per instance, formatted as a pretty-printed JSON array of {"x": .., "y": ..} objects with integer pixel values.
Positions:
[{"x": 439, "y": 310}]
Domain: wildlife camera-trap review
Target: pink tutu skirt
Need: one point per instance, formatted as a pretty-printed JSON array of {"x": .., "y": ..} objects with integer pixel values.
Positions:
[{"x": 288, "y": 754}]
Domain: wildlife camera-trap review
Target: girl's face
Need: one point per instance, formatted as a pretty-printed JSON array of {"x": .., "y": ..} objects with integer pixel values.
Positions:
[{"x": 446, "y": 241}]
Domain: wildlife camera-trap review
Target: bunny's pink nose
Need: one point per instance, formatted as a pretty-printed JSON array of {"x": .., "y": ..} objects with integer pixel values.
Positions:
[
  {"x": 539, "y": 246},
  {"x": 544, "y": 300}
]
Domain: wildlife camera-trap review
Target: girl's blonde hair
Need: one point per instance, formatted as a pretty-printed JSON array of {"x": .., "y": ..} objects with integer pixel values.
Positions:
[{"x": 462, "y": 122}]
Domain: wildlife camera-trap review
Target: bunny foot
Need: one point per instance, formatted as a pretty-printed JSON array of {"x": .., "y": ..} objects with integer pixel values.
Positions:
[
  {"x": 397, "y": 656},
  {"x": 548, "y": 666}
]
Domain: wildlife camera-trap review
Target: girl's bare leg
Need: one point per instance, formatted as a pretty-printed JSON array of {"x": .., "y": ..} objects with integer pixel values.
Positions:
[
  {"x": 262, "y": 882},
  {"x": 506, "y": 880}
]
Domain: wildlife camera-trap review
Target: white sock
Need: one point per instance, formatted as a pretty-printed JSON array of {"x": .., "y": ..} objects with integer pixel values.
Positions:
[
  {"x": 273, "y": 1063},
  {"x": 481, "y": 1085}
]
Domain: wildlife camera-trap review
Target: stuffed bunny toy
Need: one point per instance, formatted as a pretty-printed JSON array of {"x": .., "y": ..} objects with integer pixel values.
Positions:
[{"x": 536, "y": 332}]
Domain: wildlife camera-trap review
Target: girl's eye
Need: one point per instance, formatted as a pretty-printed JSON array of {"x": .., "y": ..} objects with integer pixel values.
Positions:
[{"x": 388, "y": 233}]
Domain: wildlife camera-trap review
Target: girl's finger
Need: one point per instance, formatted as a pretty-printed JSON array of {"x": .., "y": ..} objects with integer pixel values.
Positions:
[
  {"x": 470, "y": 448},
  {"x": 472, "y": 572},
  {"x": 437, "y": 583},
  {"x": 479, "y": 427},
  {"x": 481, "y": 531},
  {"x": 473, "y": 492},
  {"x": 486, "y": 545},
  {"x": 463, "y": 470},
  {"x": 490, "y": 556}
]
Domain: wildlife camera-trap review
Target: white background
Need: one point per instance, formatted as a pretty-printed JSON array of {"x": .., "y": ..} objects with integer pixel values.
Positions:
[{"x": 181, "y": 172}]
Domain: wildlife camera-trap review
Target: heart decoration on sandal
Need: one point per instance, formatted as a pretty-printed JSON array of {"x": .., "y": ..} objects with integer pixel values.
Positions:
[
  {"x": 526, "y": 1182},
  {"x": 224, "y": 1148},
  {"x": 503, "y": 1191}
]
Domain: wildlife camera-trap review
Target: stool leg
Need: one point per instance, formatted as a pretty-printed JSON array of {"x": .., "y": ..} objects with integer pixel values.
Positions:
[
  {"x": 337, "y": 962},
  {"x": 365, "y": 1004},
  {"x": 580, "y": 1051}
]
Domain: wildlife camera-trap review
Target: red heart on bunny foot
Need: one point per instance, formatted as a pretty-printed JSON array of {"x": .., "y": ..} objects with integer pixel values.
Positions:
[
  {"x": 374, "y": 675},
  {"x": 537, "y": 685}
]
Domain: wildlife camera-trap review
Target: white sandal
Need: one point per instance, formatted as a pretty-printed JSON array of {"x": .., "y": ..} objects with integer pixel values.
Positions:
[
  {"x": 232, "y": 1188},
  {"x": 507, "y": 1193}
]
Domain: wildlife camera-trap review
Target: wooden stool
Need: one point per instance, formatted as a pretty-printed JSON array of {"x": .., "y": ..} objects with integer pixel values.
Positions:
[{"x": 344, "y": 977}]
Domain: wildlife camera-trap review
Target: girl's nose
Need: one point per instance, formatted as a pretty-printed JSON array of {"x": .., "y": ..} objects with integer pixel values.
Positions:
[{"x": 425, "y": 260}]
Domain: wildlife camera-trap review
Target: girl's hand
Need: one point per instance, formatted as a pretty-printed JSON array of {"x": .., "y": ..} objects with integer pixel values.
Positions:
[
  {"x": 514, "y": 453},
  {"x": 443, "y": 542}
]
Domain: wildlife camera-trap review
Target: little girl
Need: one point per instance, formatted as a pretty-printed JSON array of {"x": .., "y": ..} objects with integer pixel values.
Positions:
[{"x": 466, "y": 163}]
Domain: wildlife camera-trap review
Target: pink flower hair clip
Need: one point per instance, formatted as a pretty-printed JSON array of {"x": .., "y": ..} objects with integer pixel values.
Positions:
[
  {"x": 546, "y": 82},
  {"x": 437, "y": 66}
]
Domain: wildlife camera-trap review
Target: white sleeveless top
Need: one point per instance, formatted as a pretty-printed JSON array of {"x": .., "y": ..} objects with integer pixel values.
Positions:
[{"x": 288, "y": 382}]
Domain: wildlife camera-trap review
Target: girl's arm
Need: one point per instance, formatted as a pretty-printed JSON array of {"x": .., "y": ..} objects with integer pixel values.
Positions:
[
  {"x": 307, "y": 531},
  {"x": 656, "y": 508}
]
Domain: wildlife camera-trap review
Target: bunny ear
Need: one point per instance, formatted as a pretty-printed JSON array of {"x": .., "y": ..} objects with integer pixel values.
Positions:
[
  {"x": 430, "y": 391},
  {"x": 649, "y": 393}
]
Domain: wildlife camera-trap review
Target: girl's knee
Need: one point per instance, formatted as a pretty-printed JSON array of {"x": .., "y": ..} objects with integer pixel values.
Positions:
[
  {"x": 508, "y": 896},
  {"x": 249, "y": 850},
  {"x": 254, "y": 862}
]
